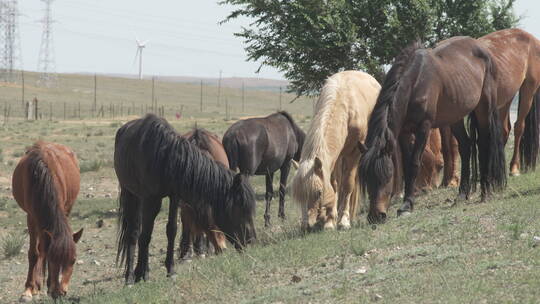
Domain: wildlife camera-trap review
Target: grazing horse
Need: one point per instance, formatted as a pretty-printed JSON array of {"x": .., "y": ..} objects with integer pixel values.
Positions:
[
  {"x": 431, "y": 88},
  {"x": 326, "y": 177},
  {"x": 45, "y": 185},
  {"x": 211, "y": 146},
  {"x": 261, "y": 146},
  {"x": 152, "y": 161},
  {"x": 432, "y": 163},
  {"x": 517, "y": 56}
]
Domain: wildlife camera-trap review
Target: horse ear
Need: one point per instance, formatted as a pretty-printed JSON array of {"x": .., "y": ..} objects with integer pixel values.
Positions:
[
  {"x": 77, "y": 235},
  {"x": 317, "y": 167},
  {"x": 362, "y": 147}
]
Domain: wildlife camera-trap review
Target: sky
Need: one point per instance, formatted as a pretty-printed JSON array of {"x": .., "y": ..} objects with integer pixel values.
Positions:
[{"x": 184, "y": 37}]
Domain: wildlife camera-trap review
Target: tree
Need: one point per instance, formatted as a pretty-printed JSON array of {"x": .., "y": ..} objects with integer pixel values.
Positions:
[{"x": 309, "y": 40}]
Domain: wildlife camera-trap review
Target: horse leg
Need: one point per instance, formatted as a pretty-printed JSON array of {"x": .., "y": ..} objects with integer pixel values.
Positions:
[
  {"x": 449, "y": 152},
  {"x": 152, "y": 206},
  {"x": 131, "y": 220},
  {"x": 269, "y": 195},
  {"x": 172, "y": 228},
  {"x": 185, "y": 242},
  {"x": 198, "y": 245},
  {"x": 464, "y": 146},
  {"x": 348, "y": 181},
  {"x": 32, "y": 285},
  {"x": 526, "y": 94},
  {"x": 285, "y": 169},
  {"x": 414, "y": 163}
]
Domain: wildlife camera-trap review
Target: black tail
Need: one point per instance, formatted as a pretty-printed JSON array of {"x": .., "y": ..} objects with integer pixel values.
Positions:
[
  {"x": 496, "y": 160},
  {"x": 46, "y": 207},
  {"x": 530, "y": 145},
  {"x": 129, "y": 223},
  {"x": 231, "y": 147},
  {"x": 473, "y": 137}
]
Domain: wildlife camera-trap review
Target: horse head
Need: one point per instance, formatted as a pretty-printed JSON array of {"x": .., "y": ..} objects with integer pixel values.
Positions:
[
  {"x": 313, "y": 189},
  {"x": 61, "y": 257},
  {"x": 240, "y": 228}
]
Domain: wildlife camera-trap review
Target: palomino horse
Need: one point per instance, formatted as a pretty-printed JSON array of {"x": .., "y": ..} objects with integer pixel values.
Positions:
[
  {"x": 428, "y": 88},
  {"x": 45, "y": 185},
  {"x": 261, "y": 146},
  {"x": 152, "y": 161},
  {"x": 331, "y": 152},
  {"x": 211, "y": 146},
  {"x": 517, "y": 56}
]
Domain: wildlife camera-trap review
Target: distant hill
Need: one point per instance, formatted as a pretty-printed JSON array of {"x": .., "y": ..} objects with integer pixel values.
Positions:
[{"x": 230, "y": 82}]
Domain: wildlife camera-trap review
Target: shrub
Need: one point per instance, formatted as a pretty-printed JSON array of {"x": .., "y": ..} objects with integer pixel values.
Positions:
[
  {"x": 12, "y": 244},
  {"x": 90, "y": 166}
]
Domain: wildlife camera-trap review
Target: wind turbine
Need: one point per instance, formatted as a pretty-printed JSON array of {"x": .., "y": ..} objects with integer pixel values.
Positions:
[{"x": 140, "y": 47}]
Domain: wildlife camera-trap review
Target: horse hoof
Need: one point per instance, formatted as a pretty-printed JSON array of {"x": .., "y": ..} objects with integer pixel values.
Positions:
[
  {"x": 515, "y": 173},
  {"x": 344, "y": 224},
  {"x": 172, "y": 276},
  {"x": 329, "y": 226},
  {"x": 403, "y": 213},
  {"x": 25, "y": 298}
]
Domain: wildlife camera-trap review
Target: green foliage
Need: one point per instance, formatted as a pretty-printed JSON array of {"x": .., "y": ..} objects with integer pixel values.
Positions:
[
  {"x": 90, "y": 166},
  {"x": 308, "y": 40}
]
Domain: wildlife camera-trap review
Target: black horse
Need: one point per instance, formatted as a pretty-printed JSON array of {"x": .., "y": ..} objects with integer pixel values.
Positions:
[
  {"x": 261, "y": 146},
  {"x": 152, "y": 161}
]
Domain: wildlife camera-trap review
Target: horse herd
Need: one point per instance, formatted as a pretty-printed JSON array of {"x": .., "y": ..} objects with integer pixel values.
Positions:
[{"x": 363, "y": 138}]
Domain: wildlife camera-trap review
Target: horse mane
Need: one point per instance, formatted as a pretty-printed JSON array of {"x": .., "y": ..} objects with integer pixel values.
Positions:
[
  {"x": 46, "y": 207},
  {"x": 375, "y": 164},
  {"x": 306, "y": 184},
  {"x": 197, "y": 179}
]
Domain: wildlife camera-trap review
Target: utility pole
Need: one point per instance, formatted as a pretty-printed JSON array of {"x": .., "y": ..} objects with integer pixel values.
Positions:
[
  {"x": 219, "y": 88},
  {"x": 46, "y": 62},
  {"x": 10, "y": 42},
  {"x": 243, "y": 96}
]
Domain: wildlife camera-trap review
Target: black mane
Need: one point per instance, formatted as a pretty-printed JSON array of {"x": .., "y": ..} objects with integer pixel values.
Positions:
[{"x": 375, "y": 164}]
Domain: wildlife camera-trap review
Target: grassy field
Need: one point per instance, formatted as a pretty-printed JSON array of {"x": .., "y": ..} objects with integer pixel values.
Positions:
[{"x": 471, "y": 253}]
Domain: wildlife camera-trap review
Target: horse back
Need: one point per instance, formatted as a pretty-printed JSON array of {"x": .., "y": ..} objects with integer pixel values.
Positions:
[
  {"x": 208, "y": 143},
  {"x": 63, "y": 167}
]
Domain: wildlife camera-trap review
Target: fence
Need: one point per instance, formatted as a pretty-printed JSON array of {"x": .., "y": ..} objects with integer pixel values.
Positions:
[{"x": 103, "y": 97}]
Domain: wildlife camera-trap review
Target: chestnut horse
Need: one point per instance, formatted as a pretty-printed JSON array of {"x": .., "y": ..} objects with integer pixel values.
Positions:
[
  {"x": 517, "y": 56},
  {"x": 431, "y": 88},
  {"x": 45, "y": 185},
  {"x": 211, "y": 146},
  {"x": 326, "y": 177},
  {"x": 152, "y": 161},
  {"x": 432, "y": 163}
]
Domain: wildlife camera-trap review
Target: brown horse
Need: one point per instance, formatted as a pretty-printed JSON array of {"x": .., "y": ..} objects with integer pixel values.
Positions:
[
  {"x": 45, "y": 185},
  {"x": 211, "y": 146},
  {"x": 517, "y": 56},
  {"x": 431, "y": 88},
  {"x": 432, "y": 163}
]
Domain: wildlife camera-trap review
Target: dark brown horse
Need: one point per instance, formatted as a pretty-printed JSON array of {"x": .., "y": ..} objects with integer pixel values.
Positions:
[
  {"x": 431, "y": 88},
  {"x": 152, "y": 161},
  {"x": 45, "y": 185},
  {"x": 261, "y": 146},
  {"x": 211, "y": 146}
]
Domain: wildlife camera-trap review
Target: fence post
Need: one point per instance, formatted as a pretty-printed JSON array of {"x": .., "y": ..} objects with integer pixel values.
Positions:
[
  {"x": 94, "y": 108},
  {"x": 64, "y": 110},
  {"x": 243, "y": 97},
  {"x": 201, "y": 96}
]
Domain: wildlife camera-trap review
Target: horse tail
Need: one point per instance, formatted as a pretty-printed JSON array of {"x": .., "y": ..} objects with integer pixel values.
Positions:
[
  {"x": 496, "y": 170},
  {"x": 230, "y": 143},
  {"x": 46, "y": 207},
  {"x": 129, "y": 222},
  {"x": 530, "y": 145},
  {"x": 473, "y": 136}
]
